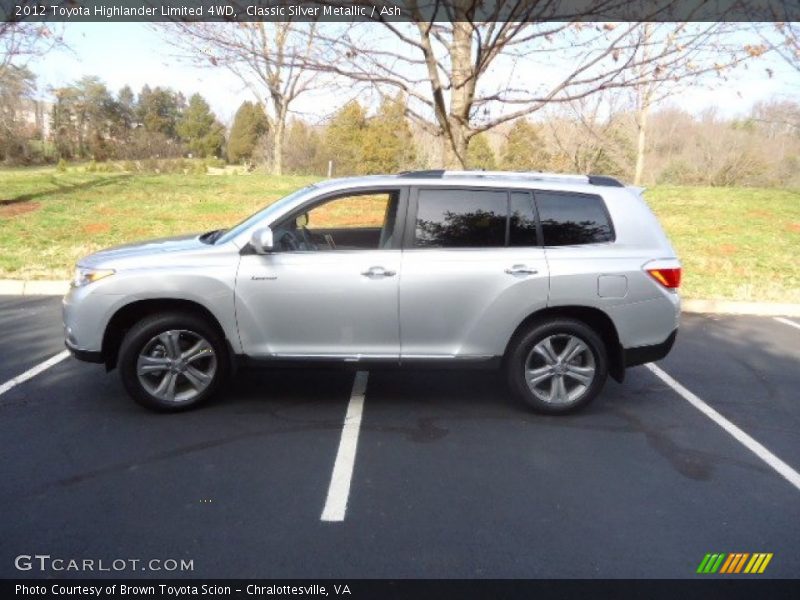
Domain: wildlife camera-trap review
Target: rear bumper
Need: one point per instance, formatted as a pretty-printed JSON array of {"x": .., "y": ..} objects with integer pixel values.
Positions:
[
  {"x": 645, "y": 354},
  {"x": 85, "y": 355}
]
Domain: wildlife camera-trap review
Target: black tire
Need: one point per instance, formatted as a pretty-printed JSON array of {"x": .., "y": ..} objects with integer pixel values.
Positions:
[
  {"x": 520, "y": 353},
  {"x": 142, "y": 334}
]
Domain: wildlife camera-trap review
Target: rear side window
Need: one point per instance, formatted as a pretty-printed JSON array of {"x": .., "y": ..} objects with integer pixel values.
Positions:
[
  {"x": 461, "y": 219},
  {"x": 572, "y": 219}
]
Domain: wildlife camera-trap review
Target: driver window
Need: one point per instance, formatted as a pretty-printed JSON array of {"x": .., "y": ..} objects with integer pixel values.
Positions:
[{"x": 352, "y": 222}]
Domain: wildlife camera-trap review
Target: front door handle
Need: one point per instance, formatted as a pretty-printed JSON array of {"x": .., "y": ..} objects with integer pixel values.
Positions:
[
  {"x": 521, "y": 270},
  {"x": 378, "y": 272}
]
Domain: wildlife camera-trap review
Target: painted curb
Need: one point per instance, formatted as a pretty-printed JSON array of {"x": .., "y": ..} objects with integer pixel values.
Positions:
[
  {"x": 14, "y": 287},
  {"x": 729, "y": 307}
]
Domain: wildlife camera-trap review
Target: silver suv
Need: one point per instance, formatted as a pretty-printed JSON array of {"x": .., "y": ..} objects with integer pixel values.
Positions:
[{"x": 558, "y": 279}]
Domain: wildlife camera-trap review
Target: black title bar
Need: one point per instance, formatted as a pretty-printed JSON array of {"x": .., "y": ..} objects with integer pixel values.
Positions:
[
  {"x": 398, "y": 10},
  {"x": 461, "y": 589}
]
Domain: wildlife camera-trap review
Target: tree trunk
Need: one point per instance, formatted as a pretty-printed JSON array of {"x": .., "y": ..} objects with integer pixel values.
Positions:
[
  {"x": 462, "y": 92},
  {"x": 644, "y": 94},
  {"x": 277, "y": 149},
  {"x": 641, "y": 143},
  {"x": 454, "y": 149}
]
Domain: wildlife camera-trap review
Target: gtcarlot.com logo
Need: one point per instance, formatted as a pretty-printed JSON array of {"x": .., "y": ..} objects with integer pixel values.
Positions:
[
  {"x": 736, "y": 562},
  {"x": 45, "y": 562}
]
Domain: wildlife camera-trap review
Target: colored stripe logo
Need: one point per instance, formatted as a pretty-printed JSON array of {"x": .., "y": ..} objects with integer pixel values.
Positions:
[{"x": 736, "y": 562}]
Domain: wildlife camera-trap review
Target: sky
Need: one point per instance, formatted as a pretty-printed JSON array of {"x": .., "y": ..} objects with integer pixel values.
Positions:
[{"x": 135, "y": 54}]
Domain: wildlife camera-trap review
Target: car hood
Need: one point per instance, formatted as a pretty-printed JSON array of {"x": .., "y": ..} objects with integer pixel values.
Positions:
[{"x": 139, "y": 250}]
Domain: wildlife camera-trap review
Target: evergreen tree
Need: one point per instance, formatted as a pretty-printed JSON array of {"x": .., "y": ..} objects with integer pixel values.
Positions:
[
  {"x": 158, "y": 110},
  {"x": 125, "y": 117},
  {"x": 344, "y": 139},
  {"x": 388, "y": 145},
  {"x": 62, "y": 124},
  {"x": 82, "y": 117},
  {"x": 524, "y": 150},
  {"x": 480, "y": 154},
  {"x": 249, "y": 125},
  {"x": 302, "y": 150},
  {"x": 17, "y": 86},
  {"x": 96, "y": 113},
  {"x": 199, "y": 129}
]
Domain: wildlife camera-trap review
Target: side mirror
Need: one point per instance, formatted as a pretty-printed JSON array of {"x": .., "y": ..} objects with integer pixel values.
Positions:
[{"x": 261, "y": 240}]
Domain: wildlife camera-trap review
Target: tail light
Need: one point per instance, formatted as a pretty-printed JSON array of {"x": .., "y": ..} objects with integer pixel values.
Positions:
[{"x": 669, "y": 278}]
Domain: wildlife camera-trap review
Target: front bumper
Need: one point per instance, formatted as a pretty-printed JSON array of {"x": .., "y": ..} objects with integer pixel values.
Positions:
[
  {"x": 85, "y": 314},
  {"x": 91, "y": 356}
]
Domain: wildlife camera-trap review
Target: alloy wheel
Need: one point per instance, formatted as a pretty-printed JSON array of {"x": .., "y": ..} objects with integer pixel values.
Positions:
[
  {"x": 560, "y": 369},
  {"x": 176, "y": 365}
]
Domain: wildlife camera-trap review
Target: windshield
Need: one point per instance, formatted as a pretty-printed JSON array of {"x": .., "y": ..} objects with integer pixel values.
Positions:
[{"x": 262, "y": 214}]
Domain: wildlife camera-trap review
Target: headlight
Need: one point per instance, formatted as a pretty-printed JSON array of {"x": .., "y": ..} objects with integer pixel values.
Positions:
[{"x": 84, "y": 275}]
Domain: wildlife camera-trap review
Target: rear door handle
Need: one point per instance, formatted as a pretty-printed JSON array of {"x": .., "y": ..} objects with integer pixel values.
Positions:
[
  {"x": 521, "y": 270},
  {"x": 378, "y": 272}
]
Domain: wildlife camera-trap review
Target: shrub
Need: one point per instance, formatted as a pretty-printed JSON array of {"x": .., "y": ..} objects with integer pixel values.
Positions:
[
  {"x": 154, "y": 165},
  {"x": 216, "y": 163}
]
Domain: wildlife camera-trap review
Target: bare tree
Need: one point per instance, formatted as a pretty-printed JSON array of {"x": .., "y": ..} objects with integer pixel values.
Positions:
[
  {"x": 591, "y": 134},
  {"x": 675, "y": 56},
  {"x": 777, "y": 118},
  {"x": 22, "y": 40},
  {"x": 451, "y": 66},
  {"x": 699, "y": 53},
  {"x": 788, "y": 46},
  {"x": 271, "y": 59}
]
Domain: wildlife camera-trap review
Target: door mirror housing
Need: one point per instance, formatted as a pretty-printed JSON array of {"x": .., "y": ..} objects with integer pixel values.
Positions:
[{"x": 262, "y": 240}]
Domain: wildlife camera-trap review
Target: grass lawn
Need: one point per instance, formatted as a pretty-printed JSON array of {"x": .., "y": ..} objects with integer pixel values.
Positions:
[
  {"x": 61, "y": 217},
  {"x": 735, "y": 243}
]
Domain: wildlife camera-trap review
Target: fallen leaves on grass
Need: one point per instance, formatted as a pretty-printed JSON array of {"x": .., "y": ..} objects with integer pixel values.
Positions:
[
  {"x": 96, "y": 228},
  {"x": 13, "y": 210}
]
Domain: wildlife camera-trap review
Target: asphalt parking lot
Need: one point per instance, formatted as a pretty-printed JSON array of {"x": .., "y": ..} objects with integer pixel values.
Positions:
[{"x": 450, "y": 478}]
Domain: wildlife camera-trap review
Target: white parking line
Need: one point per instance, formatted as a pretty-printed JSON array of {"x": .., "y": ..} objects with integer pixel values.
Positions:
[
  {"x": 339, "y": 489},
  {"x": 748, "y": 442},
  {"x": 33, "y": 372},
  {"x": 787, "y": 322}
]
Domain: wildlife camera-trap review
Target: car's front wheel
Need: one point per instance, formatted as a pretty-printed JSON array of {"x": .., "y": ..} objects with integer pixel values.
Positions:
[
  {"x": 557, "y": 366},
  {"x": 172, "y": 361}
]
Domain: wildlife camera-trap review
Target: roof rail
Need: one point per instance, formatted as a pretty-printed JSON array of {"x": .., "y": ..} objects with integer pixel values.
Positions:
[
  {"x": 429, "y": 174},
  {"x": 532, "y": 175},
  {"x": 605, "y": 180}
]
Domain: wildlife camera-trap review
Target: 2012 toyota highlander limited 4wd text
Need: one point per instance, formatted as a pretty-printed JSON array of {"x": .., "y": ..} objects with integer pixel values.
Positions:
[{"x": 559, "y": 280}]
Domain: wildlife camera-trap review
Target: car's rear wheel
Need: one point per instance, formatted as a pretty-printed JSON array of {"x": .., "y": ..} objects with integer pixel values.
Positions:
[
  {"x": 557, "y": 366},
  {"x": 172, "y": 361}
]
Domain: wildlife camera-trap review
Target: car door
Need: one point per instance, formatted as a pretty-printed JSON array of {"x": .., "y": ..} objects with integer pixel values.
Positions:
[
  {"x": 330, "y": 288},
  {"x": 472, "y": 270}
]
